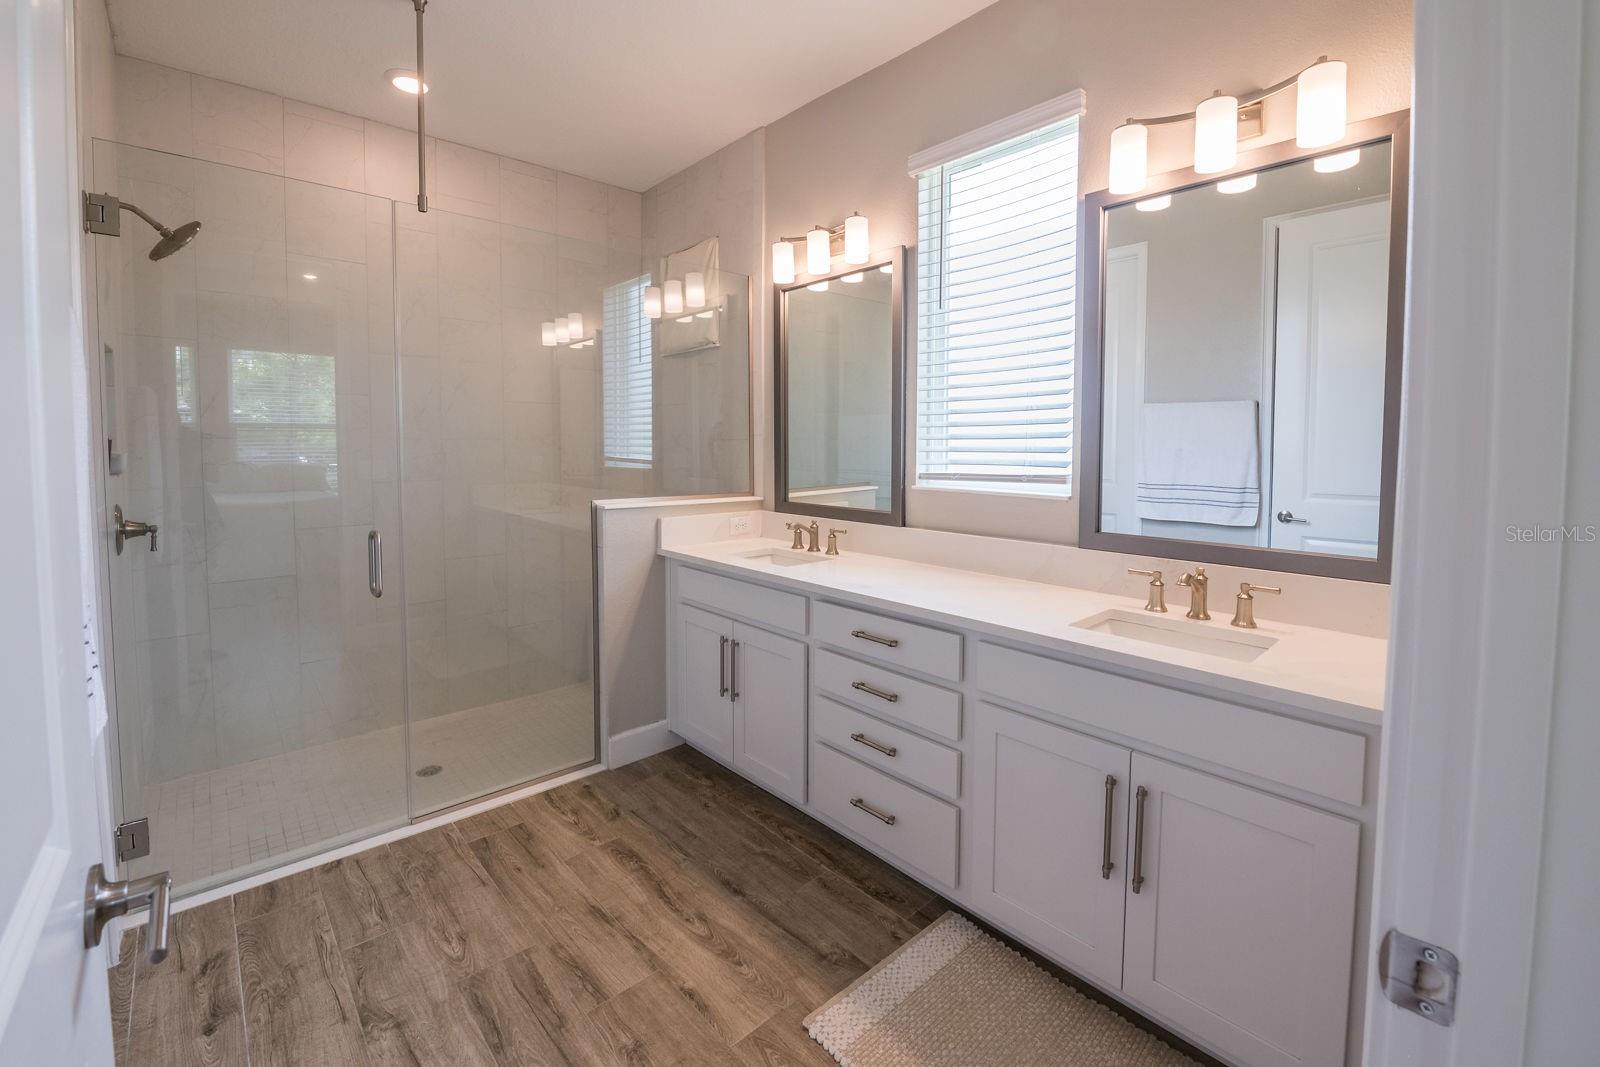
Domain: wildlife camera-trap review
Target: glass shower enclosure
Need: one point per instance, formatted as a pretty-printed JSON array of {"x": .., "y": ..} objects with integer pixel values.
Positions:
[{"x": 322, "y": 373}]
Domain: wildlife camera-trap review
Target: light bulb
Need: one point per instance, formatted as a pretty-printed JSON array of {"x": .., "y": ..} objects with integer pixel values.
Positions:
[
  {"x": 818, "y": 259},
  {"x": 818, "y": 287},
  {"x": 672, "y": 304},
  {"x": 652, "y": 301},
  {"x": 1130, "y": 158},
  {"x": 1216, "y": 134},
  {"x": 575, "y": 325},
  {"x": 856, "y": 244},
  {"x": 694, "y": 289},
  {"x": 854, "y": 278},
  {"x": 1242, "y": 184},
  {"x": 1338, "y": 161},
  {"x": 547, "y": 334},
  {"x": 782, "y": 263},
  {"x": 1320, "y": 104},
  {"x": 1155, "y": 203}
]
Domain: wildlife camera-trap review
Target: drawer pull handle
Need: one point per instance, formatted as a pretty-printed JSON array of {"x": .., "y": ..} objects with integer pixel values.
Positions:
[
  {"x": 1105, "y": 839},
  {"x": 1138, "y": 838},
  {"x": 876, "y": 746},
  {"x": 882, "y": 816},
  {"x": 887, "y": 642},
  {"x": 893, "y": 698}
]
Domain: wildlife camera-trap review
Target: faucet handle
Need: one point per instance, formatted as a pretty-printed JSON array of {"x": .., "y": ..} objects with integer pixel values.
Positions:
[
  {"x": 833, "y": 540},
  {"x": 1157, "y": 600},
  {"x": 1246, "y": 588},
  {"x": 1244, "y": 605}
]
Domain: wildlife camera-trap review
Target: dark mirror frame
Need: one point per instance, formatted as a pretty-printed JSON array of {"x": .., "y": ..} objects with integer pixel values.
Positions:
[
  {"x": 896, "y": 515},
  {"x": 1394, "y": 128}
]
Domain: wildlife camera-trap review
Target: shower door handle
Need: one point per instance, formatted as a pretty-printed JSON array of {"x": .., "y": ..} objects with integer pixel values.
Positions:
[
  {"x": 105, "y": 900},
  {"x": 375, "y": 562}
]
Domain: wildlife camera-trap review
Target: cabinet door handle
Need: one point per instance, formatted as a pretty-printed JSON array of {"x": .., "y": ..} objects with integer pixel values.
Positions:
[
  {"x": 733, "y": 670},
  {"x": 882, "y": 816},
  {"x": 1105, "y": 840},
  {"x": 876, "y": 746},
  {"x": 1138, "y": 838},
  {"x": 722, "y": 668},
  {"x": 887, "y": 642},
  {"x": 892, "y": 698}
]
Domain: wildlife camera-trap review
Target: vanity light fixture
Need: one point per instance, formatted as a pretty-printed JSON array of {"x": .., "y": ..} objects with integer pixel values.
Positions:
[
  {"x": 685, "y": 318},
  {"x": 652, "y": 301},
  {"x": 547, "y": 334},
  {"x": 672, "y": 301},
  {"x": 575, "y": 326},
  {"x": 783, "y": 263},
  {"x": 855, "y": 278},
  {"x": 1154, "y": 203},
  {"x": 1319, "y": 120},
  {"x": 852, "y": 239},
  {"x": 706, "y": 314},
  {"x": 562, "y": 335},
  {"x": 1242, "y": 184},
  {"x": 857, "y": 247},
  {"x": 818, "y": 256},
  {"x": 694, "y": 289},
  {"x": 1333, "y": 164},
  {"x": 818, "y": 287},
  {"x": 887, "y": 268}
]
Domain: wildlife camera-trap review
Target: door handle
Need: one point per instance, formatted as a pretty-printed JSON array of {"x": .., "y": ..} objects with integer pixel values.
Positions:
[
  {"x": 733, "y": 670},
  {"x": 1138, "y": 838},
  {"x": 375, "y": 562},
  {"x": 1105, "y": 838},
  {"x": 722, "y": 667},
  {"x": 104, "y": 901},
  {"x": 125, "y": 528},
  {"x": 1287, "y": 516}
]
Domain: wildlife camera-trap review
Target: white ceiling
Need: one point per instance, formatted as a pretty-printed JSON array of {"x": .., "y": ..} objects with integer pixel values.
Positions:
[{"x": 626, "y": 91}]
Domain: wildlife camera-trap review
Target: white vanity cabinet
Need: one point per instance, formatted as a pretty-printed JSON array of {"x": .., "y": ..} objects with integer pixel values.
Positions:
[{"x": 767, "y": 688}]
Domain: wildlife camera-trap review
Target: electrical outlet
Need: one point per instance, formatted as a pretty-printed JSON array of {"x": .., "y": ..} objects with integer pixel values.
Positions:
[{"x": 741, "y": 524}]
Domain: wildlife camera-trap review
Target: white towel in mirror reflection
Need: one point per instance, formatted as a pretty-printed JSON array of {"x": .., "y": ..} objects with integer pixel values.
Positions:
[{"x": 1200, "y": 462}]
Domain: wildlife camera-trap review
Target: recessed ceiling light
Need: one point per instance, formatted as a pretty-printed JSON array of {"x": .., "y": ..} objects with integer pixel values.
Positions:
[{"x": 404, "y": 80}]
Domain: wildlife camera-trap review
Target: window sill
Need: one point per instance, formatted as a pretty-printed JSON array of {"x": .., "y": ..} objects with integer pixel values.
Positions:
[{"x": 994, "y": 489}]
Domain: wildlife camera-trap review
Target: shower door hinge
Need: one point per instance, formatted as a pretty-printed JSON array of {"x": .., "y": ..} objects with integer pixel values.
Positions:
[
  {"x": 133, "y": 840},
  {"x": 102, "y": 213},
  {"x": 1419, "y": 977}
]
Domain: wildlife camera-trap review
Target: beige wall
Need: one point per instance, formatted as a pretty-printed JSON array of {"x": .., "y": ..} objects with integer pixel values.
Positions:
[{"x": 847, "y": 151}]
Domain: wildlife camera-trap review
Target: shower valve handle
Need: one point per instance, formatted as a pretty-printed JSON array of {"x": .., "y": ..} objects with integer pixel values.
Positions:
[{"x": 126, "y": 528}]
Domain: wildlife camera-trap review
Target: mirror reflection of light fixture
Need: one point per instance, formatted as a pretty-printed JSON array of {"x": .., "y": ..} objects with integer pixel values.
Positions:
[
  {"x": 575, "y": 326},
  {"x": 1216, "y": 134},
  {"x": 652, "y": 301},
  {"x": 856, "y": 242},
  {"x": 818, "y": 287},
  {"x": 1333, "y": 164},
  {"x": 818, "y": 258},
  {"x": 782, "y": 263},
  {"x": 686, "y": 318},
  {"x": 694, "y": 289},
  {"x": 404, "y": 80},
  {"x": 1320, "y": 105},
  {"x": 887, "y": 268},
  {"x": 1130, "y": 157},
  {"x": 1155, "y": 203},
  {"x": 547, "y": 334},
  {"x": 562, "y": 334},
  {"x": 706, "y": 314},
  {"x": 1242, "y": 184},
  {"x": 855, "y": 278},
  {"x": 672, "y": 301}
]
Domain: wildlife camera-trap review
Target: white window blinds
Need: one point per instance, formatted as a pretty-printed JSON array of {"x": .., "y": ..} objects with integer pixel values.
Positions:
[
  {"x": 996, "y": 264},
  {"x": 627, "y": 373}
]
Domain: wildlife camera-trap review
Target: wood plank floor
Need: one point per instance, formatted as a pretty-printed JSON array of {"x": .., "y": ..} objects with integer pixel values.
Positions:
[{"x": 664, "y": 913}]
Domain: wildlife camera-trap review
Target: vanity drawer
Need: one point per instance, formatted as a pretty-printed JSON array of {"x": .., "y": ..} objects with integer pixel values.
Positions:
[
  {"x": 920, "y": 704},
  {"x": 922, "y": 831},
  {"x": 899, "y": 752},
  {"x": 786, "y": 611},
  {"x": 904, "y": 644},
  {"x": 1318, "y": 759}
]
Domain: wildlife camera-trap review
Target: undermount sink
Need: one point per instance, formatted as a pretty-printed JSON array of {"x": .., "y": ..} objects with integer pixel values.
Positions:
[
  {"x": 1191, "y": 636},
  {"x": 781, "y": 557}
]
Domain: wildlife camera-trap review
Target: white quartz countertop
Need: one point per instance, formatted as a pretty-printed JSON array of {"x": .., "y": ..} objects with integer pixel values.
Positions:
[{"x": 1323, "y": 671}]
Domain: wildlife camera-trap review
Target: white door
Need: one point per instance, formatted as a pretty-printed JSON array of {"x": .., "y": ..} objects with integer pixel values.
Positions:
[
  {"x": 768, "y": 678},
  {"x": 54, "y": 1006},
  {"x": 1050, "y": 813},
  {"x": 702, "y": 708},
  {"x": 1123, "y": 387},
  {"x": 1331, "y": 343},
  {"x": 1241, "y": 925}
]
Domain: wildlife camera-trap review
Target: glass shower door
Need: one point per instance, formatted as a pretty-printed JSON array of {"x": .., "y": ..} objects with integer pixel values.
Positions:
[{"x": 248, "y": 386}]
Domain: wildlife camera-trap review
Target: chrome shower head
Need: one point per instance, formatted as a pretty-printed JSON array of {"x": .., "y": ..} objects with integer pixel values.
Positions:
[{"x": 172, "y": 240}]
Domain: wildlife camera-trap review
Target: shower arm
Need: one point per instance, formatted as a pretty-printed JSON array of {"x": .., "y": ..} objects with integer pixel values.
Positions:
[
  {"x": 422, "y": 122},
  {"x": 143, "y": 214}
]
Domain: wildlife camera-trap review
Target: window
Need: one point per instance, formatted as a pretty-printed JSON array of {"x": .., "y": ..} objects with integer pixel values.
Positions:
[
  {"x": 996, "y": 265},
  {"x": 283, "y": 409},
  {"x": 627, "y": 386}
]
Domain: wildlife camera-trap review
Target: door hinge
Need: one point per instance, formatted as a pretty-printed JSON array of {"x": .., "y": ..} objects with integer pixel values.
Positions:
[
  {"x": 133, "y": 840},
  {"x": 102, "y": 214},
  {"x": 1419, "y": 977}
]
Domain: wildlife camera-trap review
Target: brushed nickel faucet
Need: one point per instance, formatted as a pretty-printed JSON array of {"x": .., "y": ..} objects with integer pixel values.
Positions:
[
  {"x": 800, "y": 536},
  {"x": 799, "y": 544},
  {"x": 1244, "y": 605},
  {"x": 1157, "y": 600},
  {"x": 833, "y": 540},
  {"x": 1198, "y": 583}
]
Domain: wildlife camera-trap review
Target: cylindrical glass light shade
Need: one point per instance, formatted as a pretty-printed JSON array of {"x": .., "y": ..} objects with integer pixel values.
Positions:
[
  {"x": 1336, "y": 162},
  {"x": 1216, "y": 134},
  {"x": 1155, "y": 203},
  {"x": 547, "y": 334},
  {"x": 818, "y": 287},
  {"x": 1130, "y": 158},
  {"x": 562, "y": 334},
  {"x": 652, "y": 301},
  {"x": 1320, "y": 105},
  {"x": 1242, "y": 184},
  {"x": 818, "y": 258},
  {"x": 855, "y": 278},
  {"x": 672, "y": 302},
  {"x": 782, "y": 263},
  {"x": 575, "y": 325},
  {"x": 856, "y": 243},
  {"x": 694, "y": 289}
]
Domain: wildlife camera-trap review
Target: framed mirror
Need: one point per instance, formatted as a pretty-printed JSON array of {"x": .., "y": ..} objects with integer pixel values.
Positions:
[
  {"x": 1241, "y": 341},
  {"x": 840, "y": 393}
]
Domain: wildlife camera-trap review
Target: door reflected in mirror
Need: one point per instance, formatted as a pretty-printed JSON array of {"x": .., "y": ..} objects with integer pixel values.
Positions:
[{"x": 1244, "y": 359}]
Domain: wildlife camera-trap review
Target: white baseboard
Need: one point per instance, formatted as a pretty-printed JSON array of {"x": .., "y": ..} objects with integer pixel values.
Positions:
[{"x": 639, "y": 742}]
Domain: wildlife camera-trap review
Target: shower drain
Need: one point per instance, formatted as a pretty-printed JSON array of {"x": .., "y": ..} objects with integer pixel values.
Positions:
[{"x": 429, "y": 771}]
